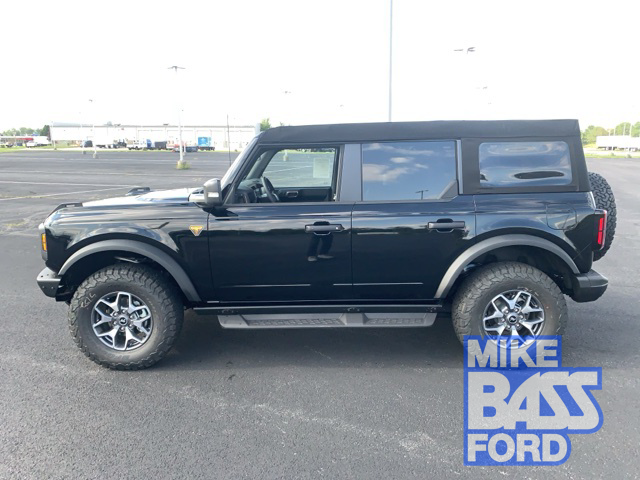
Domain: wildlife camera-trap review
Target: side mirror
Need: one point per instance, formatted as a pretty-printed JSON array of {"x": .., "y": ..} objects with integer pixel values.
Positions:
[{"x": 211, "y": 194}]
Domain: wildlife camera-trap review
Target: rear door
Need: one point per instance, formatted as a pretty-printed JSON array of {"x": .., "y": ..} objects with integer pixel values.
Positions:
[{"x": 411, "y": 222}]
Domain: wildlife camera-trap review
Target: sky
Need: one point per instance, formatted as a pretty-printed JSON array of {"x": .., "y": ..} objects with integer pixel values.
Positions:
[{"x": 305, "y": 62}]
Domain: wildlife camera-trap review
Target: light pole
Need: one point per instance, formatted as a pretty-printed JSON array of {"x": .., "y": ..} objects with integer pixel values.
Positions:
[
  {"x": 175, "y": 68},
  {"x": 286, "y": 103},
  {"x": 93, "y": 129},
  {"x": 390, "y": 54},
  {"x": 228, "y": 139},
  {"x": 466, "y": 51},
  {"x": 53, "y": 142},
  {"x": 82, "y": 132}
]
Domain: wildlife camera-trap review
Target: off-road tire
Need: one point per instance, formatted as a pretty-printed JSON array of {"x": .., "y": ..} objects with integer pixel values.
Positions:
[
  {"x": 482, "y": 285},
  {"x": 604, "y": 200},
  {"x": 150, "y": 286}
]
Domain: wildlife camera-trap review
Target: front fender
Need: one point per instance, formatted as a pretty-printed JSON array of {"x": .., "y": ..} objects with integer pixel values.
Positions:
[{"x": 140, "y": 248}]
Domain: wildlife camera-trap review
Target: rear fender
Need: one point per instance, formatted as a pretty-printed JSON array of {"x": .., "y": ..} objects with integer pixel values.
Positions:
[{"x": 494, "y": 243}]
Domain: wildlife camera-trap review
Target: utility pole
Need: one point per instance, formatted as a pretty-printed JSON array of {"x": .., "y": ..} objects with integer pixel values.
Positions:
[
  {"x": 421, "y": 192},
  {"x": 175, "y": 68},
  {"x": 390, "y": 55}
]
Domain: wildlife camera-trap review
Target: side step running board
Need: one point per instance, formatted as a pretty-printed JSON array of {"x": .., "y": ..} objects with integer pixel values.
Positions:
[{"x": 315, "y": 320}]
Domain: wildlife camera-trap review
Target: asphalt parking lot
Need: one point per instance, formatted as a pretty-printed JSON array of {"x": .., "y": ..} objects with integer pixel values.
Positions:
[{"x": 271, "y": 404}]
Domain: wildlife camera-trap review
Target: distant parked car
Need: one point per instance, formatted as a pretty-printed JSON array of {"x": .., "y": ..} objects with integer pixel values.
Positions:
[
  {"x": 87, "y": 144},
  {"x": 187, "y": 148}
]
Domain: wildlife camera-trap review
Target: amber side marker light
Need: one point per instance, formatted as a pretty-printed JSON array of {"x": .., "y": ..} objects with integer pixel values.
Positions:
[{"x": 44, "y": 241}]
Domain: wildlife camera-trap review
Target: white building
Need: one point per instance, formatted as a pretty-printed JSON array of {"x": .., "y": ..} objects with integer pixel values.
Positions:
[{"x": 235, "y": 136}]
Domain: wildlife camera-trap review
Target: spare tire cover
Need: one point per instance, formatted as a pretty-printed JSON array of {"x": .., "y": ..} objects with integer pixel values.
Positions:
[{"x": 604, "y": 200}]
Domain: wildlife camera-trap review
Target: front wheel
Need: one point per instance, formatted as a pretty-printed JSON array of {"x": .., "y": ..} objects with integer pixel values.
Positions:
[
  {"x": 510, "y": 304},
  {"x": 125, "y": 317}
]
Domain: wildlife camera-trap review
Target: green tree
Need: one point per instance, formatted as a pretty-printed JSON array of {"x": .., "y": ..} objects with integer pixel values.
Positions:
[
  {"x": 590, "y": 134},
  {"x": 623, "y": 128},
  {"x": 44, "y": 131},
  {"x": 265, "y": 124},
  {"x": 635, "y": 130},
  {"x": 22, "y": 131}
]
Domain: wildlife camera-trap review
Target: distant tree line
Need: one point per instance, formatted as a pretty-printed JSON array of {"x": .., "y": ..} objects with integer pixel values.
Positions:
[
  {"x": 589, "y": 135},
  {"x": 23, "y": 131}
]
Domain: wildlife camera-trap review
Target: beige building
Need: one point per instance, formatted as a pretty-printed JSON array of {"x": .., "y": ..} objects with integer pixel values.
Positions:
[{"x": 235, "y": 136}]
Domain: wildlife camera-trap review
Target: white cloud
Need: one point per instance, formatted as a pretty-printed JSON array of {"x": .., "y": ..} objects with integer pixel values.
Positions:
[{"x": 401, "y": 159}]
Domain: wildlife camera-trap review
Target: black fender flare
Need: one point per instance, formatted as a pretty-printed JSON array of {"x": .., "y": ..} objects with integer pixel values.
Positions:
[
  {"x": 493, "y": 243},
  {"x": 140, "y": 248}
]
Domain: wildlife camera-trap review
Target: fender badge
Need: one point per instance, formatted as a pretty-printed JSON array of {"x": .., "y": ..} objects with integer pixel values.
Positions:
[{"x": 196, "y": 229}]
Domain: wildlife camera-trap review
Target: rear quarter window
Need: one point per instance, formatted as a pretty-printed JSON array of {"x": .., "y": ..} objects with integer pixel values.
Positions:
[{"x": 524, "y": 164}]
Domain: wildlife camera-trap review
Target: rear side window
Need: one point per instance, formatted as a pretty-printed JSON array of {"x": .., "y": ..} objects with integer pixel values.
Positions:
[
  {"x": 408, "y": 170},
  {"x": 524, "y": 164}
]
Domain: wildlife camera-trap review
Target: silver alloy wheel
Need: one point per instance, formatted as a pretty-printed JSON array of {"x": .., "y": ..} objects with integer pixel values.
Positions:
[
  {"x": 121, "y": 321},
  {"x": 514, "y": 315}
]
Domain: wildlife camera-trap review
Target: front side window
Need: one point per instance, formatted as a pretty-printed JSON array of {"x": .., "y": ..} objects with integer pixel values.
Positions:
[
  {"x": 290, "y": 174},
  {"x": 408, "y": 170},
  {"x": 302, "y": 167},
  {"x": 524, "y": 164}
]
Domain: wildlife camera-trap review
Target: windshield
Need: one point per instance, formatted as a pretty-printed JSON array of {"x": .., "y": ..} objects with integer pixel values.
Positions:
[{"x": 235, "y": 166}]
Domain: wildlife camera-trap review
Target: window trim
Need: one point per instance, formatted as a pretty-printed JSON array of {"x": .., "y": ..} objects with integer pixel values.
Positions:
[{"x": 442, "y": 199}]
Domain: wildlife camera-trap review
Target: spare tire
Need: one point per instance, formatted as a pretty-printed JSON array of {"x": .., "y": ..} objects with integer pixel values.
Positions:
[{"x": 604, "y": 200}]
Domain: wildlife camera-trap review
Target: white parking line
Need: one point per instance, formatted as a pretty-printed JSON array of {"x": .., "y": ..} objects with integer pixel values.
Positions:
[
  {"x": 59, "y": 194},
  {"x": 71, "y": 184}
]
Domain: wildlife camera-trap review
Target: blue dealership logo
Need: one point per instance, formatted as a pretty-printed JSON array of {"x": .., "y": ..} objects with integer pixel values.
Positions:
[{"x": 520, "y": 404}]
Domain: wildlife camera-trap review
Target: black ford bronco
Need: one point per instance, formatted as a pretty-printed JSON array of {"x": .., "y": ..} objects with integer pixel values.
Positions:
[{"x": 359, "y": 225}]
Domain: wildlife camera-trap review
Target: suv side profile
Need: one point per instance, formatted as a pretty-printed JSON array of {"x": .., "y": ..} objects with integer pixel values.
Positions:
[{"x": 354, "y": 225}]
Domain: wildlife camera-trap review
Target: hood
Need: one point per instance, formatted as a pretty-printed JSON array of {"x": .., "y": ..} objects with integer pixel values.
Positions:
[{"x": 179, "y": 195}]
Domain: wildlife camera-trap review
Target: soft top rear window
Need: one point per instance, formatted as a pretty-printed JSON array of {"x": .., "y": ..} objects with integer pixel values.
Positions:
[{"x": 523, "y": 164}]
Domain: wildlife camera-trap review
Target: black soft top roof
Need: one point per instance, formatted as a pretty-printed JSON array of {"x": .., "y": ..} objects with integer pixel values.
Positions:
[{"x": 362, "y": 132}]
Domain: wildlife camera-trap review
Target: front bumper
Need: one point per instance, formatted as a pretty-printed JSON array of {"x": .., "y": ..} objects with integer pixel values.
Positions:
[
  {"x": 588, "y": 287},
  {"x": 48, "y": 281}
]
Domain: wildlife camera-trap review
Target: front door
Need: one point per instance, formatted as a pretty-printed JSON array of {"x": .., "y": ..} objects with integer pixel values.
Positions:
[{"x": 284, "y": 235}]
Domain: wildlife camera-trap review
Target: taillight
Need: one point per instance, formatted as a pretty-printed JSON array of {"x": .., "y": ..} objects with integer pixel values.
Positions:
[{"x": 601, "y": 229}]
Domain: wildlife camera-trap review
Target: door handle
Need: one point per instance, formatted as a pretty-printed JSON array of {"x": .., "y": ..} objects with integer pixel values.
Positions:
[
  {"x": 325, "y": 229},
  {"x": 291, "y": 194},
  {"x": 444, "y": 226}
]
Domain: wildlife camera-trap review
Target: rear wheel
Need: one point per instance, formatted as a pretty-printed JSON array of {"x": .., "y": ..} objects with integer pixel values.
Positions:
[
  {"x": 605, "y": 200},
  {"x": 125, "y": 317},
  {"x": 509, "y": 301}
]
